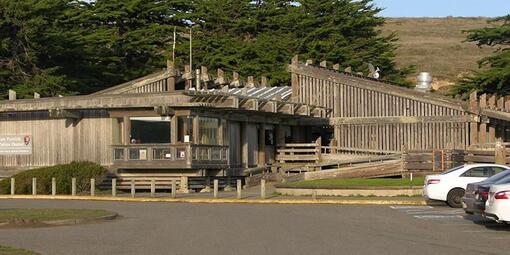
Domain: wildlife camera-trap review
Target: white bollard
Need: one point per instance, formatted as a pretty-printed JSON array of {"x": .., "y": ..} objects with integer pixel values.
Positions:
[
  {"x": 13, "y": 186},
  {"x": 239, "y": 188},
  {"x": 263, "y": 189},
  {"x": 153, "y": 188},
  {"x": 92, "y": 187},
  {"x": 73, "y": 187},
  {"x": 174, "y": 188},
  {"x": 34, "y": 186},
  {"x": 114, "y": 187},
  {"x": 133, "y": 189},
  {"x": 215, "y": 188},
  {"x": 53, "y": 186}
]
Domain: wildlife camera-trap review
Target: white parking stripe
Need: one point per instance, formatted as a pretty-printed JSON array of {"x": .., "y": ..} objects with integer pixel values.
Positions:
[
  {"x": 437, "y": 216},
  {"x": 410, "y": 207}
]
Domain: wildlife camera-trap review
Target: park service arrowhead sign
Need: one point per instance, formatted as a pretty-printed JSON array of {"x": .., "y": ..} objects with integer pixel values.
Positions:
[{"x": 15, "y": 145}]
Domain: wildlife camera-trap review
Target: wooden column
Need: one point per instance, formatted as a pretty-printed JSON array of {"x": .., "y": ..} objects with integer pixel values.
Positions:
[
  {"x": 500, "y": 153},
  {"x": 280, "y": 135},
  {"x": 196, "y": 135},
  {"x": 12, "y": 94},
  {"x": 492, "y": 126},
  {"x": 262, "y": 146},
  {"x": 473, "y": 126},
  {"x": 173, "y": 129},
  {"x": 295, "y": 81},
  {"x": 188, "y": 77},
  {"x": 483, "y": 124},
  {"x": 244, "y": 145},
  {"x": 170, "y": 81},
  {"x": 126, "y": 130}
]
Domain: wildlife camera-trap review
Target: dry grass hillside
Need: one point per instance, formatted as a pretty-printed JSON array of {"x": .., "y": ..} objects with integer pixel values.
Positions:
[{"x": 436, "y": 45}]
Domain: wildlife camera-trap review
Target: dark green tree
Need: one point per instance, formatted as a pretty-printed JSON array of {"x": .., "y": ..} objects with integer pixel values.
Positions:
[
  {"x": 494, "y": 76},
  {"x": 33, "y": 47}
]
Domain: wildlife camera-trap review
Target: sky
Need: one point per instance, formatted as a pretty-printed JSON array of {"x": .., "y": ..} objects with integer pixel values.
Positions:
[{"x": 443, "y": 8}]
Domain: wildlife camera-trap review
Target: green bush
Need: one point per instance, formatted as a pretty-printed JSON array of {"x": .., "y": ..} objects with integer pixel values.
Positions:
[{"x": 82, "y": 171}]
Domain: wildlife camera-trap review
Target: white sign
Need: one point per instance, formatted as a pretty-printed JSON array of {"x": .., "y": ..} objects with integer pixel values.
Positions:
[{"x": 15, "y": 144}]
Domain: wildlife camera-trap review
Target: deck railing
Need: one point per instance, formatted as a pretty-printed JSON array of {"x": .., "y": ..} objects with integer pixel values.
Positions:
[{"x": 170, "y": 155}]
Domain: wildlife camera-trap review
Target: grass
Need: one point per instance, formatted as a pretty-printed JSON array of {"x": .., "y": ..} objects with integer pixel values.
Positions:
[
  {"x": 436, "y": 45},
  {"x": 344, "y": 183},
  {"x": 39, "y": 215},
  {"x": 5, "y": 250}
]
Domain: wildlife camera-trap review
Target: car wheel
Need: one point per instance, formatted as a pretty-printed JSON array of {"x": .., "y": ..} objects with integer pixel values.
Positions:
[{"x": 454, "y": 198}]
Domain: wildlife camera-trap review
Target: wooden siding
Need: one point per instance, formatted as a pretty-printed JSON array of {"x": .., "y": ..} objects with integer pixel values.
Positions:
[
  {"x": 58, "y": 141},
  {"x": 368, "y": 113}
]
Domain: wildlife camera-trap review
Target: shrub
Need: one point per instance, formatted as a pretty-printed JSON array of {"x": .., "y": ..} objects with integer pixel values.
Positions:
[{"x": 82, "y": 171}]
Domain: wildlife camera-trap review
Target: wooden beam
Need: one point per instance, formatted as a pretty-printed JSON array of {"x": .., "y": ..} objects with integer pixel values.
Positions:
[
  {"x": 164, "y": 110},
  {"x": 268, "y": 106},
  {"x": 249, "y": 104},
  {"x": 402, "y": 119},
  {"x": 63, "y": 113},
  {"x": 286, "y": 108},
  {"x": 302, "y": 109}
]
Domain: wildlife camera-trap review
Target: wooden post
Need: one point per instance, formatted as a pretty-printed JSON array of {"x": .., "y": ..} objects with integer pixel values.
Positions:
[
  {"x": 263, "y": 82},
  {"x": 73, "y": 186},
  {"x": 92, "y": 187},
  {"x": 153, "y": 188},
  {"x": 239, "y": 188},
  {"x": 244, "y": 145},
  {"x": 13, "y": 186},
  {"x": 263, "y": 189},
  {"x": 251, "y": 82},
  {"x": 336, "y": 67},
  {"x": 215, "y": 188},
  {"x": 309, "y": 62},
  {"x": 114, "y": 187},
  {"x": 318, "y": 149},
  {"x": 53, "y": 186},
  {"x": 34, "y": 186},
  {"x": 295, "y": 80},
  {"x": 174, "y": 188},
  {"x": 262, "y": 146},
  {"x": 183, "y": 187},
  {"x": 133, "y": 188},
  {"x": 324, "y": 63},
  {"x": 37, "y": 95},
  {"x": 170, "y": 81},
  {"x": 220, "y": 78},
  {"x": 500, "y": 153},
  {"x": 12, "y": 95},
  {"x": 235, "y": 80},
  {"x": 204, "y": 77},
  {"x": 188, "y": 77}
]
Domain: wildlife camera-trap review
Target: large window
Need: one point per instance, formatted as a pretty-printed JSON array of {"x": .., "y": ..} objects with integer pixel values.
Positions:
[
  {"x": 184, "y": 129},
  {"x": 208, "y": 130},
  {"x": 150, "y": 130}
]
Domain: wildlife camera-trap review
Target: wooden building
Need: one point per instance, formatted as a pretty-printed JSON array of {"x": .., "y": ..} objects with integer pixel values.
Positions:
[
  {"x": 177, "y": 124},
  {"x": 165, "y": 124}
]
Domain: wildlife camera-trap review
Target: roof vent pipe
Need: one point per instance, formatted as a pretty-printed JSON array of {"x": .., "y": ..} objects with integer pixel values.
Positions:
[{"x": 424, "y": 82}]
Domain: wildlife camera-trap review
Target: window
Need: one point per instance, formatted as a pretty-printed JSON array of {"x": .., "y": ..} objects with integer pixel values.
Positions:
[
  {"x": 478, "y": 172},
  {"x": 208, "y": 130},
  {"x": 185, "y": 129},
  {"x": 497, "y": 170},
  {"x": 150, "y": 130}
]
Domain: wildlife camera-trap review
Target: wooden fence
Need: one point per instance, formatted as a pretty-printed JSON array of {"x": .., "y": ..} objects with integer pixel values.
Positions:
[{"x": 441, "y": 160}]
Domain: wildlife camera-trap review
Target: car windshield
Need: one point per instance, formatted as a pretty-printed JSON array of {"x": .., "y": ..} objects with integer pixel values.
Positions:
[
  {"x": 452, "y": 169},
  {"x": 498, "y": 176}
]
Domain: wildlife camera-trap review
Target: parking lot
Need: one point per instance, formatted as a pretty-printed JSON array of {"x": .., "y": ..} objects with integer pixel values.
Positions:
[{"x": 176, "y": 228}]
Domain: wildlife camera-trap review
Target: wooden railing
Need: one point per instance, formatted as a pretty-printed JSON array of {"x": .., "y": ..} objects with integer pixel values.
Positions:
[
  {"x": 170, "y": 156},
  {"x": 300, "y": 152}
]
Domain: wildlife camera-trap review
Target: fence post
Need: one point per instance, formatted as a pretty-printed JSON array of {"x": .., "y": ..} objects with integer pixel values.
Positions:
[
  {"x": 239, "y": 188},
  {"x": 184, "y": 184},
  {"x": 114, "y": 187},
  {"x": 153, "y": 187},
  {"x": 263, "y": 189},
  {"x": 34, "y": 186},
  {"x": 92, "y": 187},
  {"x": 174, "y": 188},
  {"x": 133, "y": 190},
  {"x": 500, "y": 153},
  {"x": 53, "y": 186},
  {"x": 73, "y": 186},
  {"x": 13, "y": 186},
  {"x": 318, "y": 143},
  {"x": 215, "y": 188}
]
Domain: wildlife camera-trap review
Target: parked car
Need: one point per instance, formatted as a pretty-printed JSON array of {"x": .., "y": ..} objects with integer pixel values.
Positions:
[
  {"x": 498, "y": 204},
  {"x": 477, "y": 193},
  {"x": 449, "y": 186}
]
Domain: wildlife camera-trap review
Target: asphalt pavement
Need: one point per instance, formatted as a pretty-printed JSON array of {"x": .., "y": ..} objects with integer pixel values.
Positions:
[{"x": 179, "y": 228}]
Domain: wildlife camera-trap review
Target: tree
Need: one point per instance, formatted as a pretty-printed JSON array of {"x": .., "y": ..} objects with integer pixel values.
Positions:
[
  {"x": 494, "y": 77},
  {"x": 32, "y": 46}
]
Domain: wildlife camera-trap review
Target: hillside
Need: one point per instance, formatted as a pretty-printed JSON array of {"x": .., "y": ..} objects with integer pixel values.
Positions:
[{"x": 436, "y": 45}]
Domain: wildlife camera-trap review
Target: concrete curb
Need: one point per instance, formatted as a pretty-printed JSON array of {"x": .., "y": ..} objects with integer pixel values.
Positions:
[{"x": 226, "y": 200}]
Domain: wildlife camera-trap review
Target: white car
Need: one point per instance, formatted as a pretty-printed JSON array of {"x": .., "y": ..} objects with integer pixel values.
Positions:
[
  {"x": 497, "y": 206},
  {"x": 449, "y": 186}
]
